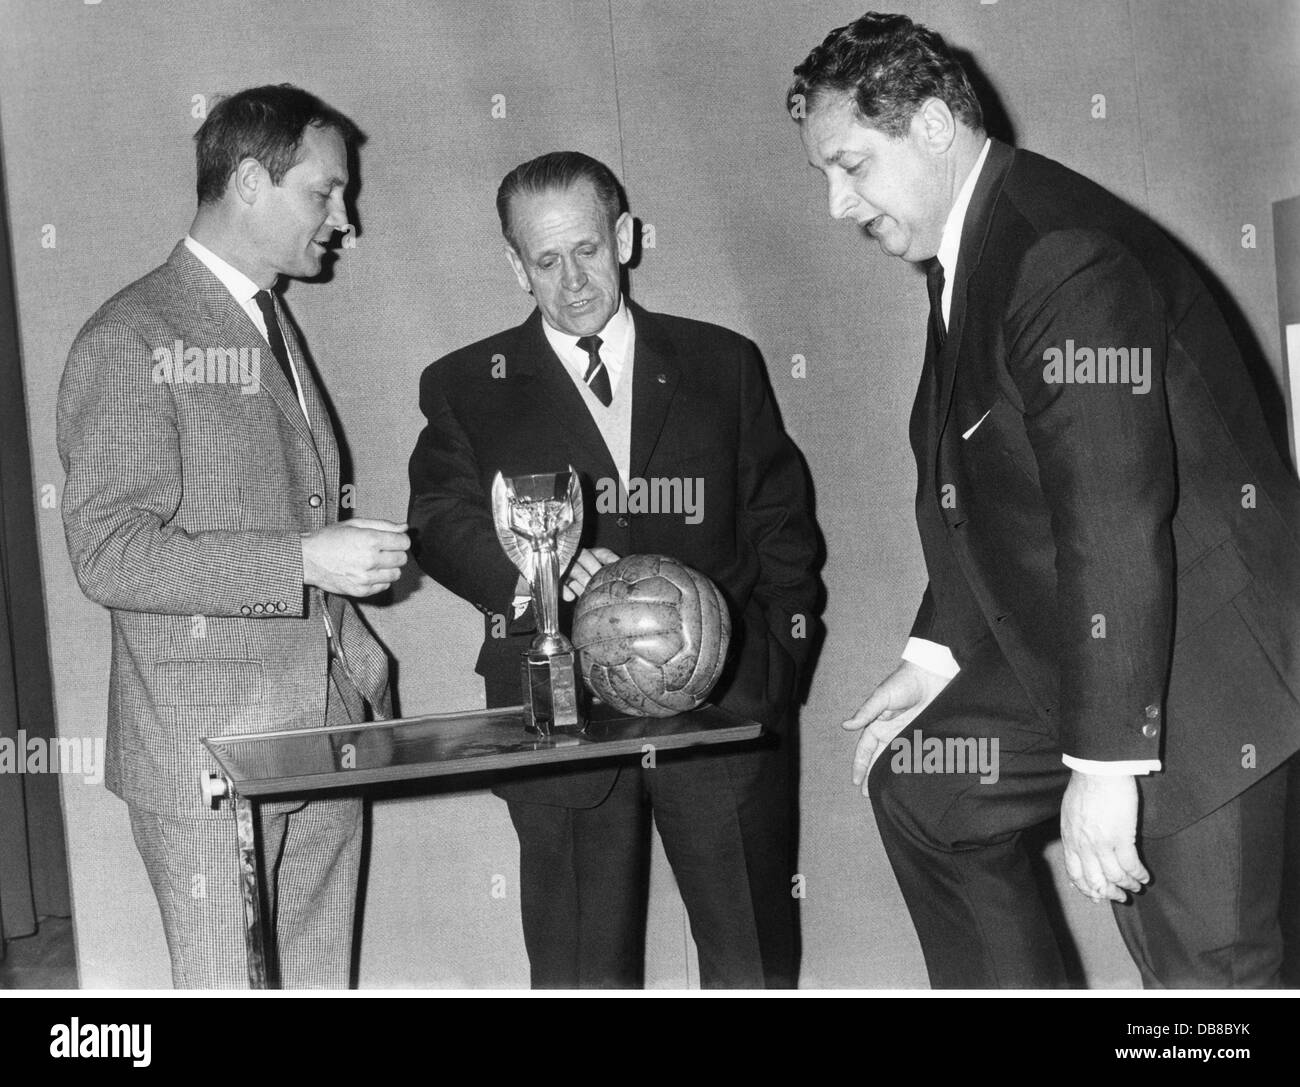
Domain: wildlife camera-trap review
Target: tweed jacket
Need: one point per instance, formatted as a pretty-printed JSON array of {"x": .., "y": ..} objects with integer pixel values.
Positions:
[{"x": 191, "y": 476}]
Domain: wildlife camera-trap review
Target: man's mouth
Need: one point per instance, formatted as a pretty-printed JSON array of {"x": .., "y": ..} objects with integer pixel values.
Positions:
[
  {"x": 319, "y": 245},
  {"x": 581, "y": 304},
  {"x": 872, "y": 225}
]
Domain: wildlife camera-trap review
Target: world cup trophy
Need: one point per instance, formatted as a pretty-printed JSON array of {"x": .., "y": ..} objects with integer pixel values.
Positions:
[{"x": 538, "y": 520}]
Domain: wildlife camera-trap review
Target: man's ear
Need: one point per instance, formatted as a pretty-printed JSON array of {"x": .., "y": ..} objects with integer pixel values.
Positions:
[
  {"x": 249, "y": 179},
  {"x": 623, "y": 228},
  {"x": 938, "y": 126},
  {"x": 518, "y": 265}
]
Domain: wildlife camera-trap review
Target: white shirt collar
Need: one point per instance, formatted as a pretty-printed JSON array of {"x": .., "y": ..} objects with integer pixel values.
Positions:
[
  {"x": 616, "y": 342},
  {"x": 950, "y": 240},
  {"x": 242, "y": 289},
  {"x": 238, "y": 284}
]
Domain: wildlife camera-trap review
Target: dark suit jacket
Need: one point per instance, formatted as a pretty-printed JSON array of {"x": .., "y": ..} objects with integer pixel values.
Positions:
[
  {"x": 183, "y": 510},
  {"x": 701, "y": 409},
  {"x": 1136, "y": 555}
]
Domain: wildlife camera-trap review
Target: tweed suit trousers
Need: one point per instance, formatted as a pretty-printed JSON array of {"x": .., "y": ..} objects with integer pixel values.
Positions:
[{"x": 310, "y": 857}]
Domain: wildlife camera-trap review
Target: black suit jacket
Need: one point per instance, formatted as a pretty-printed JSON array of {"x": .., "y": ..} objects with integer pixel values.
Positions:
[
  {"x": 701, "y": 409},
  {"x": 1136, "y": 555}
]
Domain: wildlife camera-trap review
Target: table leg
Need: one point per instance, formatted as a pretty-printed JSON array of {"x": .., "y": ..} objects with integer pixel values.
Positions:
[{"x": 250, "y": 884}]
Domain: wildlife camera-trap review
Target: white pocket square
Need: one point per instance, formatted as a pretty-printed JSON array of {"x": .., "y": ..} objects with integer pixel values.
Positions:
[{"x": 976, "y": 426}]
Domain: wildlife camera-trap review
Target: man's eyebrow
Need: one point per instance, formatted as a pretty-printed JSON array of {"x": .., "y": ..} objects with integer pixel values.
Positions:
[
  {"x": 592, "y": 239},
  {"x": 834, "y": 160},
  {"x": 551, "y": 251}
]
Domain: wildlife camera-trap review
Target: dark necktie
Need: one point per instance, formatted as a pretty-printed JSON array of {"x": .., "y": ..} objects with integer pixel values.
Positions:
[
  {"x": 925, "y": 421},
  {"x": 934, "y": 285},
  {"x": 597, "y": 377},
  {"x": 274, "y": 336}
]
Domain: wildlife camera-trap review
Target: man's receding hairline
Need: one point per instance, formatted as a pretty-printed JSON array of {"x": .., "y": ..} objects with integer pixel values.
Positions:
[
  {"x": 300, "y": 152},
  {"x": 558, "y": 188}
]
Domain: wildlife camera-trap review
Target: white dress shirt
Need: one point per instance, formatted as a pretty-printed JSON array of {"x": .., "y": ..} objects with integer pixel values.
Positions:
[
  {"x": 242, "y": 289},
  {"x": 929, "y": 655},
  {"x": 614, "y": 421},
  {"x": 617, "y": 351}
]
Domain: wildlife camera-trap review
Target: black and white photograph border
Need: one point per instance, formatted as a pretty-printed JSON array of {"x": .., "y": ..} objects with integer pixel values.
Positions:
[{"x": 1185, "y": 110}]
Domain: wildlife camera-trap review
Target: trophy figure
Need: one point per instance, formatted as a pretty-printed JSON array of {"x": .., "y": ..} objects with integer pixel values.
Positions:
[{"x": 539, "y": 523}]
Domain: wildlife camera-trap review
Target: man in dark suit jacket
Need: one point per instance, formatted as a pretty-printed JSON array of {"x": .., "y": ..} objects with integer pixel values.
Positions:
[
  {"x": 621, "y": 394},
  {"x": 1111, "y": 540},
  {"x": 201, "y": 508}
]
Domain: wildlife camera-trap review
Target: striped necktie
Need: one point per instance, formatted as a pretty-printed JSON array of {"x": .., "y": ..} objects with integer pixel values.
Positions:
[{"x": 597, "y": 377}]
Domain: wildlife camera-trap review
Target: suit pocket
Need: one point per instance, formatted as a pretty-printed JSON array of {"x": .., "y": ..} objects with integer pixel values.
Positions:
[
  {"x": 1212, "y": 580},
  {"x": 780, "y": 675},
  {"x": 987, "y": 442},
  {"x": 969, "y": 431},
  {"x": 207, "y": 682},
  {"x": 744, "y": 686}
]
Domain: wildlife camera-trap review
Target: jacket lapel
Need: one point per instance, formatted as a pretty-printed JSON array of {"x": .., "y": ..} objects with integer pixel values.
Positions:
[
  {"x": 655, "y": 374},
  {"x": 975, "y": 229},
  {"x": 232, "y": 328},
  {"x": 555, "y": 390},
  {"x": 320, "y": 431}
]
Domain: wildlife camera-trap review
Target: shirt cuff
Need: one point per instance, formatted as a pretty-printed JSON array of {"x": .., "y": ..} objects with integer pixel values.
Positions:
[
  {"x": 523, "y": 597},
  {"x": 1112, "y": 769},
  {"x": 931, "y": 656},
  {"x": 937, "y": 658}
]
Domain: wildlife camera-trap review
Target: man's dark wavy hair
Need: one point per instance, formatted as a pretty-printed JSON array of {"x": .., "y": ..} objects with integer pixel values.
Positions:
[
  {"x": 890, "y": 65},
  {"x": 555, "y": 172},
  {"x": 262, "y": 123}
]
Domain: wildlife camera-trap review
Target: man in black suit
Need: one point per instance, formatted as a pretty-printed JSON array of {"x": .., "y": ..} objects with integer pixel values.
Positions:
[
  {"x": 593, "y": 380},
  {"x": 1111, "y": 540}
]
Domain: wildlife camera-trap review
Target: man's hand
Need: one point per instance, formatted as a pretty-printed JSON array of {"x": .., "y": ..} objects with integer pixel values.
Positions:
[
  {"x": 586, "y": 564},
  {"x": 1099, "y": 831},
  {"x": 898, "y": 699},
  {"x": 354, "y": 558}
]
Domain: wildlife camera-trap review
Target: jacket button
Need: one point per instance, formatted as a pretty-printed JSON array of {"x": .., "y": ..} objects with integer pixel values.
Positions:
[
  {"x": 662, "y": 379},
  {"x": 245, "y": 610},
  {"x": 1150, "y": 731},
  {"x": 314, "y": 501},
  {"x": 258, "y": 609},
  {"x": 1152, "y": 712},
  {"x": 280, "y": 605},
  {"x": 622, "y": 521}
]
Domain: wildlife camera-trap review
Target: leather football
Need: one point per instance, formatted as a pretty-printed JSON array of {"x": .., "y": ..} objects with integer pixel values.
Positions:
[{"x": 652, "y": 635}]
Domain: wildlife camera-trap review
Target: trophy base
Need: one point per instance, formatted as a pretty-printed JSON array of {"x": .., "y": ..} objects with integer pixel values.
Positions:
[{"x": 551, "y": 689}]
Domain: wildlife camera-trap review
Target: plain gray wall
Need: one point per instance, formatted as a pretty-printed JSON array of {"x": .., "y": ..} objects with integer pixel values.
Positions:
[{"x": 684, "y": 101}]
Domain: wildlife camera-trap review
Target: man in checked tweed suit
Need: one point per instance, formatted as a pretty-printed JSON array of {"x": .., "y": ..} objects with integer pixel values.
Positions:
[{"x": 201, "y": 509}]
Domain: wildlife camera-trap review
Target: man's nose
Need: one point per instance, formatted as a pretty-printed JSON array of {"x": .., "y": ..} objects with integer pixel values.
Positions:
[
  {"x": 842, "y": 198},
  {"x": 574, "y": 276},
  {"x": 338, "y": 215}
]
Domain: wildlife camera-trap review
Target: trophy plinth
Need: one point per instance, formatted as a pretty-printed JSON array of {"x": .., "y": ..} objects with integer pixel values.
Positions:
[
  {"x": 551, "y": 689},
  {"x": 539, "y": 523}
]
